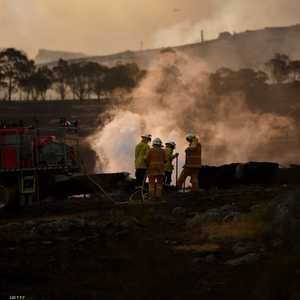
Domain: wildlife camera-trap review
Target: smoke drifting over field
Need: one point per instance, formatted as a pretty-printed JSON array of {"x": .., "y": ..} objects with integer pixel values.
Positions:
[
  {"x": 232, "y": 16},
  {"x": 99, "y": 27},
  {"x": 174, "y": 99}
]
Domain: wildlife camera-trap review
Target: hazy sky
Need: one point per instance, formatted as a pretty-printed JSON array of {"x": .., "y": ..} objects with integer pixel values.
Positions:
[{"x": 106, "y": 26}]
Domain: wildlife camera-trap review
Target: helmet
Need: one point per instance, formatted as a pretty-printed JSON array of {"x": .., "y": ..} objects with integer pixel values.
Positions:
[
  {"x": 173, "y": 144},
  {"x": 157, "y": 142},
  {"x": 147, "y": 136},
  {"x": 189, "y": 136}
]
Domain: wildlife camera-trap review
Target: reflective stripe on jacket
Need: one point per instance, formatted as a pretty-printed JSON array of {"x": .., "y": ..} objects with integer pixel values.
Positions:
[
  {"x": 156, "y": 161},
  {"x": 194, "y": 155},
  {"x": 141, "y": 152}
]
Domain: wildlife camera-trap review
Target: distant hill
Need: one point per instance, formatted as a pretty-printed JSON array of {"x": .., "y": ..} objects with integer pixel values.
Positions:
[
  {"x": 47, "y": 56},
  {"x": 237, "y": 50}
]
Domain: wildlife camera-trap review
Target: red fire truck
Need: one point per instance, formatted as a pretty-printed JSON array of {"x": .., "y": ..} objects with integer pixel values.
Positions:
[{"x": 30, "y": 158}]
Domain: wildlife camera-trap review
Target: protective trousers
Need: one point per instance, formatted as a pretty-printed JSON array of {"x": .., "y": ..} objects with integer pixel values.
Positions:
[
  {"x": 168, "y": 178},
  {"x": 140, "y": 175},
  {"x": 193, "y": 173},
  {"x": 155, "y": 186}
]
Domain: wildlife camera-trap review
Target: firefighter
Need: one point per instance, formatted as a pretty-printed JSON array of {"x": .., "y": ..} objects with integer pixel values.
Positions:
[
  {"x": 156, "y": 160},
  {"x": 192, "y": 163},
  {"x": 141, "y": 152},
  {"x": 170, "y": 147}
]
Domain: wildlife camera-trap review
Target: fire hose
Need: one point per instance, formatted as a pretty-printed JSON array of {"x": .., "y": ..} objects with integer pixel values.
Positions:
[
  {"x": 139, "y": 190},
  {"x": 96, "y": 183}
]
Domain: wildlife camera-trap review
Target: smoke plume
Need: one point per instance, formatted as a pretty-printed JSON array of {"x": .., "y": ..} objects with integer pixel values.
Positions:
[
  {"x": 174, "y": 99},
  {"x": 232, "y": 16},
  {"x": 101, "y": 27}
]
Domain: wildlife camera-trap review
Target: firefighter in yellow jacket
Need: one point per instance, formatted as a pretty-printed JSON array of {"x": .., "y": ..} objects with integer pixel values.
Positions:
[
  {"x": 141, "y": 153},
  {"x": 170, "y": 147},
  {"x": 156, "y": 160},
  {"x": 192, "y": 163}
]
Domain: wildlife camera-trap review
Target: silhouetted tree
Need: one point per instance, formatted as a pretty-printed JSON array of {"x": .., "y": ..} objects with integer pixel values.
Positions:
[
  {"x": 86, "y": 79},
  {"x": 12, "y": 63},
  {"x": 3, "y": 84},
  {"x": 82, "y": 77},
  {"x": 60, "y": 78},
  {"x": 99, "y": 81},
  {"x": 123, "y": 76},
  {"x": 226, "y": 80},
  {"x": 220, "y": 81},
  {"x": 24, "y": 80},
  {"x": 93, "y": 73},
  {"x": 294, "y": 70},
  {"x": 75, "y": 80},
  {"x": 37, "y": 83},
  {"x": 279, "y": 67},
  {"x": 249, "y": 79},
  {"x": 42, "y": 81}
]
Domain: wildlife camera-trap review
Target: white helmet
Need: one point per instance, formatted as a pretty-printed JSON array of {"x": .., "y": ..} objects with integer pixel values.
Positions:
[
  {"x": 190, "y": 136},
  {"x": 157, "y": 142},
  {"x": 147, "y": 136},
  {"x": 173, "y": 144}
]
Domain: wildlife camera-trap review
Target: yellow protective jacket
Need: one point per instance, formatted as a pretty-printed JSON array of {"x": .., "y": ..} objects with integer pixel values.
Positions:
[
  {"x": 169, "y": 156},
  {"x": 141, "y": 152},
  {"x": 156, "y": 160},
  {"x": 193, "y": 154}
]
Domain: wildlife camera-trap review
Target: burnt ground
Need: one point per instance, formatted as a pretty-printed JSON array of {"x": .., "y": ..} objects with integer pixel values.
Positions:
[{"x": 84, "y": 249}]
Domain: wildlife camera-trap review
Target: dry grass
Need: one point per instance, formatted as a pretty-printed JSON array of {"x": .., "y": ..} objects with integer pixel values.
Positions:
[
  {"x": 241, "y": 229},
  {"x": 248, "y": 226}
]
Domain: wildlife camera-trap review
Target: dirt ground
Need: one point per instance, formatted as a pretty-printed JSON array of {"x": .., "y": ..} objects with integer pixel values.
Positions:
[{"x": 84, "y": 249}]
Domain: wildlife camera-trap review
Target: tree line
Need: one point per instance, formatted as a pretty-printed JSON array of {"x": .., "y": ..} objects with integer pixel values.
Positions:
[
  {"x": 21, "y": 78},
  {"x": 278, "y": 70}
]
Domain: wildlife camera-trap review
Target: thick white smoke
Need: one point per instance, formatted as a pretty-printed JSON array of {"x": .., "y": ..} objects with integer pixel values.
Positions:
[{"x": 174, "y": 99}]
